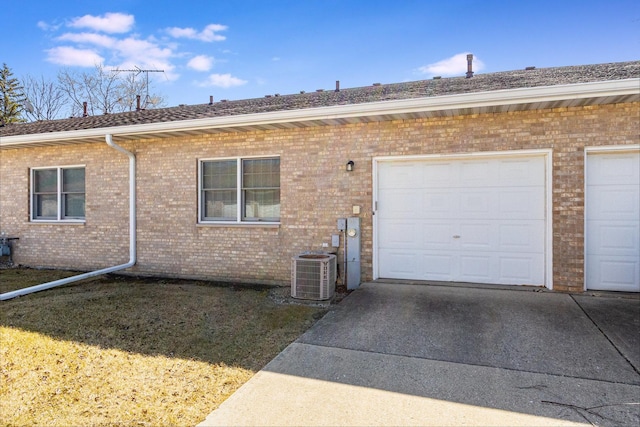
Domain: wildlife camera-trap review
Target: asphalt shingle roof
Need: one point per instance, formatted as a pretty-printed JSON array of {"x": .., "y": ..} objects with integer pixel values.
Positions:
[{"x": 386, "y": 92}]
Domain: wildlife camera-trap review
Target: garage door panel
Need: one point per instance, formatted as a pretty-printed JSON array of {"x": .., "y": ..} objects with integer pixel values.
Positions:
[
  {"x": 475, "y": 220},
  {"x": 609, "y": 203},
  {"x": 477, "y": 174},
  {"x": 522, "y": 172},
  {"x": 614, "y": 169},
  {"x": 517, "y": 237},
  {"x": 436, "y": 266},
  {"x": 476, "y": 203},
  {"x": 401, "y": 264},
  {"x": 502, "y": 203},
  {"x": 437, "y": 235},
  {"x": 398, "y": 175},
  {"x": 612, "y": 273},
  {"x": 608, "y": 238},
  {"x": 508, "y": 236},
  {"x": 526, "y": 203},
  {"x": 401, "y": 203},
  {"x": 437, "y": 175},
  {"x": 613, "y": 221},
  {"x": 619, "y": 239},
  {"x": 478, "y": 236},
  {"x": 476, "y": 268},
  {"x": 521, "y": 270},
  {"x": 401, "y": 234},
  {"x": 437, "y": 204}
]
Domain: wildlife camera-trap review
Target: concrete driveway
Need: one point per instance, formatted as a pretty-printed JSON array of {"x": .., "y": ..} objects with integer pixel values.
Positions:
[{"x": 405, "y": 354}]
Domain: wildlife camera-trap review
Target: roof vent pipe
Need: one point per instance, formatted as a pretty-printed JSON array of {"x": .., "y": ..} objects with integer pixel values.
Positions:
[
  {"x": 84, "y": 109},
  {"x": 137, "y": 102},
  {"x": 210, "y": 99},
  {"x": 469, "y": 66},
  {"x": 337, "y": 85},
  {"x": 132, "y": 237}
]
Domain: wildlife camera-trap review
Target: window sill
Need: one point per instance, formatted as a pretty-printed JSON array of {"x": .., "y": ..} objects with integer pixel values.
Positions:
[
  {"x": 240, "y": 224},
  {"x": 64, "y": 222}
]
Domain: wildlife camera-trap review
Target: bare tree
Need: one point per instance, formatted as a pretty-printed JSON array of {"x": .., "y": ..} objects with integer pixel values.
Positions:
[
  {"x": 104, "y": 91},
  {"x": 132, "y": 86},
  {"x": 45, "y": 98},
  {"x": 98, "y": 89}
]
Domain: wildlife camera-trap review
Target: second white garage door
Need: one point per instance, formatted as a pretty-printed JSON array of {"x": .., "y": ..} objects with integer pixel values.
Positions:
[
  {"x": 476, "y": 220},
  {"x": 613, "y": 221}
]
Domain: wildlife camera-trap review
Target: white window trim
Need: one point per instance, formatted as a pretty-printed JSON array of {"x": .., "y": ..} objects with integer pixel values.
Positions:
[
  {"x": 59, "y": 219},
  {"x": 238, "y": 221}
]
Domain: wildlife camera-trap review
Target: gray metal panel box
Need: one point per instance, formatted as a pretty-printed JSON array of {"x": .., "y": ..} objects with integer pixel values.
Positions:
[{"x": 353, "y": 252}]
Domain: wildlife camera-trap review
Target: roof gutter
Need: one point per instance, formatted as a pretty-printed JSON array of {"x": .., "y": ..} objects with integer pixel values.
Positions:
[
  {"x": 504, "y": 97},
  {"x": 132, "y": 237}
]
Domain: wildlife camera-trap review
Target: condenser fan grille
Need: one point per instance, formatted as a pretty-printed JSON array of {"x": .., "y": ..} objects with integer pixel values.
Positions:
[{"x": 313, "y": 276}]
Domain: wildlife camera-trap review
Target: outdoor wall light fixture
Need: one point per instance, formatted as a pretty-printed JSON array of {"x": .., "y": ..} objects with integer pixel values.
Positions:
[{"x": 350, "y": 165}]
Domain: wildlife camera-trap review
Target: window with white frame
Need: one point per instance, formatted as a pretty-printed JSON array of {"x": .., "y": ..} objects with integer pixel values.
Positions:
[
  {"x": 58, "y": 194},
  {"x": 240, "y": 190}
]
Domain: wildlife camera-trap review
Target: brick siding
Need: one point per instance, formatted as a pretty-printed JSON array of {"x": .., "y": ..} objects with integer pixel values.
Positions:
[{"x": 315, "y": 191}]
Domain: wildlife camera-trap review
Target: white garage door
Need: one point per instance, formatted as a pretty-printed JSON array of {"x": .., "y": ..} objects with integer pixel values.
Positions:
[
  {"x": 613, "y": 222},
  {"x": 464, "y": 220}
]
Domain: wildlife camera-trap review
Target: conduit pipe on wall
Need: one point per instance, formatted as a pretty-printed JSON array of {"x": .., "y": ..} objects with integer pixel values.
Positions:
[{"x": 132, "y": 237}]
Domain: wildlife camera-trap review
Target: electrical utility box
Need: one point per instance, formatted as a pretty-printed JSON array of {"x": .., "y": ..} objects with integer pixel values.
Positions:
[{"x": 353, "y": 252}]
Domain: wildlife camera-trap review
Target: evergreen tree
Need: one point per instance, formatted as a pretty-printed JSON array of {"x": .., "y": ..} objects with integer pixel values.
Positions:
[{"x": 12, "y": 97}]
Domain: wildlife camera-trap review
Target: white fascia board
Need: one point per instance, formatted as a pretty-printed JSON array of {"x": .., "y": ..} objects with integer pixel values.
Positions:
[
  {"x": 437, "y": 103},
  {"x": 415, "y": 105}
]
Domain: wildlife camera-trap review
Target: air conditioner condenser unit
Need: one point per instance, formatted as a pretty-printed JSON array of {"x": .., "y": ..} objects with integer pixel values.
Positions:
[{"x": 313, "y": 276}]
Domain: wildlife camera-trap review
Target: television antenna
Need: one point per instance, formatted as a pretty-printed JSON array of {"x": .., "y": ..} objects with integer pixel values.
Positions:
[{"x": 137, "y": 71}]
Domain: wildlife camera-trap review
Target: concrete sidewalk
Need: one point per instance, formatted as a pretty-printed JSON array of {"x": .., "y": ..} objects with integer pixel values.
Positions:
[{"x": 398, "y": 354}]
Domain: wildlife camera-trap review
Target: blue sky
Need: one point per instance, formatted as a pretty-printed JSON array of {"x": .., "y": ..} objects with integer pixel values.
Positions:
[{"x": 236, "y": 49}]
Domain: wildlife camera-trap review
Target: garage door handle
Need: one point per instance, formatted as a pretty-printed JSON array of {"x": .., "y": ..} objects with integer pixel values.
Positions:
[{"x": 456, "y": 236}]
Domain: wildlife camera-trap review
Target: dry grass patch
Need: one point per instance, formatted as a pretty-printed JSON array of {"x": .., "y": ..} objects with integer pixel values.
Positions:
[
  {"x": 54, "y": 382},
  {"x": 121, "y": 351}
]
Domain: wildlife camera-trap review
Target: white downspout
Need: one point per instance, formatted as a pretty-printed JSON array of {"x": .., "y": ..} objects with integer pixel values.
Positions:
[{"x": 132, "y": 237}]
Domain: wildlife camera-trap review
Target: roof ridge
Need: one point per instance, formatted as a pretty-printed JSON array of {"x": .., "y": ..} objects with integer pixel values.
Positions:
[{"x": 482, "y": 82}]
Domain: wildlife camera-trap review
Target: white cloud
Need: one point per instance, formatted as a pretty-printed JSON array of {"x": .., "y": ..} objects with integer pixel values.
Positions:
[
  {"x": 141, "y": 50},
  {"x": 222, "y": 80},
  {"x": 201, "y": 63},
  {"x": 126, "y": 53},
  {"x": 108, "y": 23},
  {"x": 209, "y": 33},
  {"x": 107, "y": 40},
  {"x": 453, "y": 66},
  {"x": 206, "y": 35},
  {"x": 89, "y": 38},
  {"x": 71, "y": 56},
  {"x": 133, "y": 52},
  {"x": 45, "y": 26}
]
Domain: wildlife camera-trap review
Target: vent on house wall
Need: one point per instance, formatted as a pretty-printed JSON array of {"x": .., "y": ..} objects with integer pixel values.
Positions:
[{"x": 313, "y": 276}]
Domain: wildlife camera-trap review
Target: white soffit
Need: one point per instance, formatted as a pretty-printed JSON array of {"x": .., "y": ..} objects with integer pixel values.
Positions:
[{"x": 534, "y": 98}]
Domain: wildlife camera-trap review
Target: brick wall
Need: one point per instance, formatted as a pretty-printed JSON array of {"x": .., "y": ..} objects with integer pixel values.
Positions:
[{"x": 315, "y": 191}]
